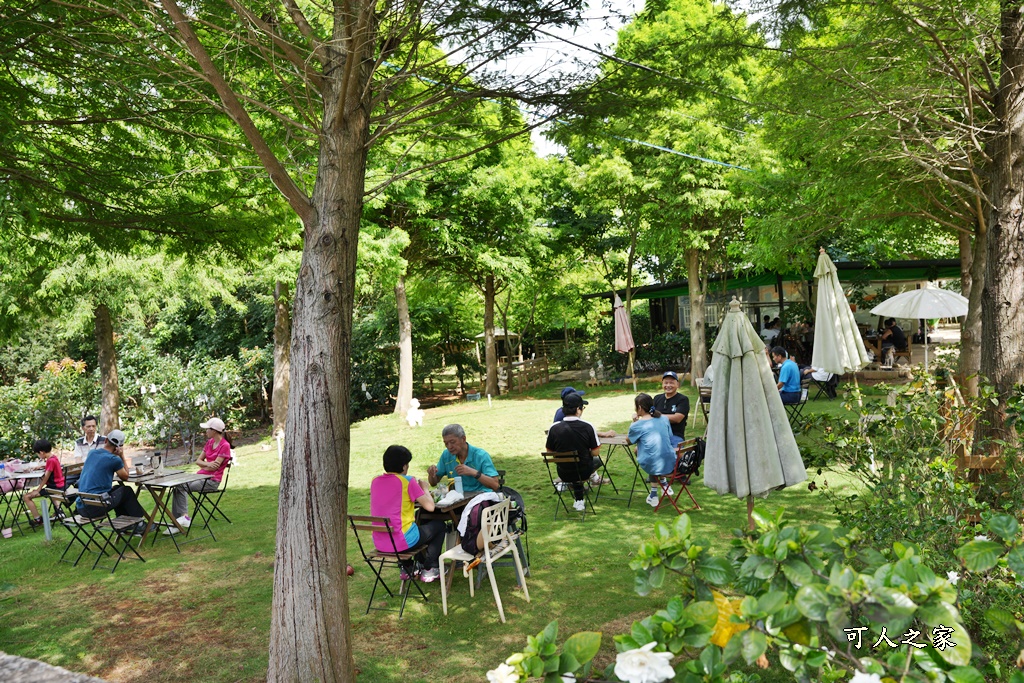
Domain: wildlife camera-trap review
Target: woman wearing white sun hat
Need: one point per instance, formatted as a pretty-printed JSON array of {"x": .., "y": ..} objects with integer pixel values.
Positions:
[{"x": 215, "y": 459}]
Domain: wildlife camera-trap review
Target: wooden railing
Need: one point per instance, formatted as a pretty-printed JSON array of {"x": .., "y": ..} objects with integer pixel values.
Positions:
[{"x": 525, "y": 375}]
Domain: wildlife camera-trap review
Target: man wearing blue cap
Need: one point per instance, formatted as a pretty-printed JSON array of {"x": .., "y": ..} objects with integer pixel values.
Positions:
[{"x": 673, "y": 405}]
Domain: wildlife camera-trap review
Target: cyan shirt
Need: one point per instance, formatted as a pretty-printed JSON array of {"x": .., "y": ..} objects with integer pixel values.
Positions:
[
  {"x": 477, "y": 459},
  {"x": 789, "y": 375}
]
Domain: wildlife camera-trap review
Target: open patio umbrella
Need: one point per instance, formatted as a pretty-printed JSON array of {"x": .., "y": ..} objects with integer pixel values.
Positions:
[
  {"x": 751, "y": 449},
  {"x": 838, "y": 347},
  {"x": 624, "y": 335},
  {"x": 923, "y": 303}
]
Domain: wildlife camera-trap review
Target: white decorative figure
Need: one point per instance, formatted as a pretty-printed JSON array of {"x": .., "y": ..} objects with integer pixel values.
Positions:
[{"x": 415, "y": 414}]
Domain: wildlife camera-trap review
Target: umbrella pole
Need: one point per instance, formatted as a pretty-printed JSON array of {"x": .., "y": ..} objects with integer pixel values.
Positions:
[
  {"x": 860, "y": 406},
  {"x": 632, "y": 367},
  {"x": 750, "y": 512}
]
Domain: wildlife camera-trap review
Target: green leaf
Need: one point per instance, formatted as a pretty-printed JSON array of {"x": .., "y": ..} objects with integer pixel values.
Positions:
[
  {"x": 657, "y": 576},
  {"x": 703, "y": 613},
  {"x": 754, "y": 645},
  {"x": 715, "y": 570},
  {"x": 1015, "y": 560},
  {"x": 966, "y": 674},
  {"x": 980, "y": 556},
  {"x": 812, "y": 601},
  {"x": 583, "y": 646},
  {"x": 798, "y": 572},
  {"x": 549, "y": 634},
  {"x": 683, "y": 526},
  {"x": 960, "y": 654},
  {"x": 1000, "y": 620},
  {"x": 771, "y": 602},
  {"x": 1004, "y": 526},
  {"x": 1017, "y": 677},
  {"x": 568, "y": 664}
]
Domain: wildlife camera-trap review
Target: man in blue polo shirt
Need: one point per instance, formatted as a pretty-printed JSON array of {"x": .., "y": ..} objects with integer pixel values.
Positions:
[
  {"x": 789, "y": 376},
  {"x": 460, "y": 459},
  {"x": 101, "y": 466}
]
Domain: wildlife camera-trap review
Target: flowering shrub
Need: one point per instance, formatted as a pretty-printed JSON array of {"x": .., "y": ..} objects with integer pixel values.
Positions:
[
  {"x": 828, "y": 605},
  {"x": 48, "y": 408}
]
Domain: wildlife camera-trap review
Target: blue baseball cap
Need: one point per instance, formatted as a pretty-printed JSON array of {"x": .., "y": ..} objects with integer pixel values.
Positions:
[
  {"x": 669, "y": 373},
  {"x": 570, "y": 390}
]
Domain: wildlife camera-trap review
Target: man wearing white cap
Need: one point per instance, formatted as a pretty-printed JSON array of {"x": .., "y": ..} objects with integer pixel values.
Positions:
[
  {"x": 215, "y": 459},
  {"x": 101, "y": 466}
]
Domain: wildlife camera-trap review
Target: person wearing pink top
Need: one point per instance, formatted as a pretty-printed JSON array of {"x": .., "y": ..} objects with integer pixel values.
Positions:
[
  {"x": 215, "y": 459},
  {"x": 53, "y": 478}
]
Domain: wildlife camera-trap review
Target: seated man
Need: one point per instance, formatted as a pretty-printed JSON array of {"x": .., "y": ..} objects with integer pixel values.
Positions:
[
  {"x": 789, "y": 376},
  {"x": 819, "y": 375},
  {"x": 573, "y": 435},
  {"x": 892, "y": 337},
  {"x": 101, "y": 466},
  {"x": 673, "y": 405},
  {"x": 460, "y": 459},
  {"x": 559, "y": 414},
  {"x": 392, "y": 495}
]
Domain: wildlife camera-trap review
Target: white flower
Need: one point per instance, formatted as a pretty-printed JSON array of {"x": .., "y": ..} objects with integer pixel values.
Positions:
[
  {"x": 953, "y": 577},
  {"x": 861, "y": 677},
  {"x": 152, "y": 388},
  {"x": 568, "y": 678},
  {"x": 981, "y": 537},
  {"x": 643, "y": 666},
  {"x": 503, "y": 674}
]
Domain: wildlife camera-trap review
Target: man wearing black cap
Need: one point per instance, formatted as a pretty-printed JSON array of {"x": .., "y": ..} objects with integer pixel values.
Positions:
[
  {"x": 559, "y": 414},
  {"x": 673, "y": 405},
  {"x": 573, "y": 435}
]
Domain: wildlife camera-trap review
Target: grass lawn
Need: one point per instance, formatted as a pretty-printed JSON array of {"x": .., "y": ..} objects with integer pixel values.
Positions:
[{"x": 204, "y": 614}]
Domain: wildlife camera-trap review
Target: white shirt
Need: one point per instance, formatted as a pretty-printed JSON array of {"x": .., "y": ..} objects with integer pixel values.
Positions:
[
  {"x": 82, "y": 448},
  {"x": 769, "y": 334}
]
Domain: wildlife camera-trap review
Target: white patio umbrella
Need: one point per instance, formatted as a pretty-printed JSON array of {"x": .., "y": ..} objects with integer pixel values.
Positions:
[
  {"x": 623, "y": 334},
  {"x": 923, "y": 303},
  {"x": 838, "y": 347},
  {"x": 751, "y": 449}
]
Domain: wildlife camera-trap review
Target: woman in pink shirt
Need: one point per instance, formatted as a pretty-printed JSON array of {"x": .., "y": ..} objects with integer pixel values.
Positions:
[
  {"x": 53, "y": 478},
  {"x": 214, "y": 461}
]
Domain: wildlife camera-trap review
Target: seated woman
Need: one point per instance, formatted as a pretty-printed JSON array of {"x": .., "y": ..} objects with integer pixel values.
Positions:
[
  {"x": 53, "y": 478},
  {"x": 652, "y": 433},
  {"x": 215, "y": 459},
  {"x": 393, "y": 495}
]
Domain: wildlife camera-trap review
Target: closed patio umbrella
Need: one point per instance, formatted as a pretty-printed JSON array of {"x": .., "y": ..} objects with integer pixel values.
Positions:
[
  {"x": 838, "y": 347},
  {"x": 923, "y": 303},
  {"x": 751, "y": 449},
  {"x": 624, "y": 335}
]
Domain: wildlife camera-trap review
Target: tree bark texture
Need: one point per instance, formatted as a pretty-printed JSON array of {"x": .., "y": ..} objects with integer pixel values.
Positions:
[
  {"x": 490, "y": 351},
  {"x": 698, "y": 340},
  {"x": 282, "y": 355},
  {"x": 1002, "y": 349},
  {"x": 972, "y": 270},
  {"x": 107, "y": 359},
  {"x": 402, "y": 401}
]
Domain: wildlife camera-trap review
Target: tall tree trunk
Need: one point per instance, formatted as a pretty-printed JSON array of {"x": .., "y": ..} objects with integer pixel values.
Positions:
[
  {"x": 972, "y": 278},
  {"x": 111, "y": 395},
  {"x": 1002, "y": 311},
  {"x": 310, "y": 635},
  {"x": 508, "y": 346},
  {"x": 282, "y": 355},
  {"x": 402, "y": 401},
  {"x": 698, "y": 341},
  {"x": 490, "y": 352}
]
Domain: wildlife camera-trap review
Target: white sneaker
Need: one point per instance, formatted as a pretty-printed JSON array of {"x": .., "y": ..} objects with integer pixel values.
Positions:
[
  {"x": 184, "y": 521},
  {"x": 560, "y": 486},
  {"x": 595, "y": 478},
  {"x": 652, "y": 499},
  {"x": 669, "y": 492},
  {"x": 428, "y": 575},
  {"x": 171, "y": 530},
  {"x": 579, "y": 505}
]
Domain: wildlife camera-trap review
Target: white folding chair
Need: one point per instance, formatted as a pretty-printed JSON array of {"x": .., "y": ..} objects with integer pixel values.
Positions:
[{"x": 497, "y": 543}]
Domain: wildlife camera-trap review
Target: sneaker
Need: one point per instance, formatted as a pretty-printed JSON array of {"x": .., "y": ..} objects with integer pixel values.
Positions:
[
  {"x": 184, "y": 521},
  {"x": 652, "y": 499},
  {"x": 34, "y": 523},
  {"x": 171, "y": 530},
  {"x": 428, "y": 575},
  {"x": 595, "y": 478},
  {"x": 579, "y": 506},
  {"x": 140, "y": 529},
  {"x": 560, "y": 486},
  {"x": 406, "y": 574},
  {"x": 669, "y": 492}
]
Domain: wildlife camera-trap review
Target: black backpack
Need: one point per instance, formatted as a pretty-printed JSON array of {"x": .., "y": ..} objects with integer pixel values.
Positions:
[
  {"x": 473, "y": 525},
  {"x": 688, "y": 464}
]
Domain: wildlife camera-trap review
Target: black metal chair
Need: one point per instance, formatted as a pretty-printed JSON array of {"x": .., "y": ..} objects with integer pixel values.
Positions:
[
  {"x": 116, "y": 532},
  {"x": 552, "y": 461},
  {"x": 206, "y": 508},
  {"x": 376, "y": 560}
]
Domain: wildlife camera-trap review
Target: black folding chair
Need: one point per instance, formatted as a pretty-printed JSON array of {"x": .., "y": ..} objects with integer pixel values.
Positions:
[
  {"x": 116, "y": 533},
  {"x": 828, "y": 387},
  {"x": 795, "y": 410},
  {"x": 551, "y": 461},
  {"x": 82, "y": 529},
  {"x": 377, "y": 559},
  {"x": 206, "y": 508}
]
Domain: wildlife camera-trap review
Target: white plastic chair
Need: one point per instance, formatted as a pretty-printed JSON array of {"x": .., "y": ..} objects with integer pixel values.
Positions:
[{"x": 497, "y": 543}]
